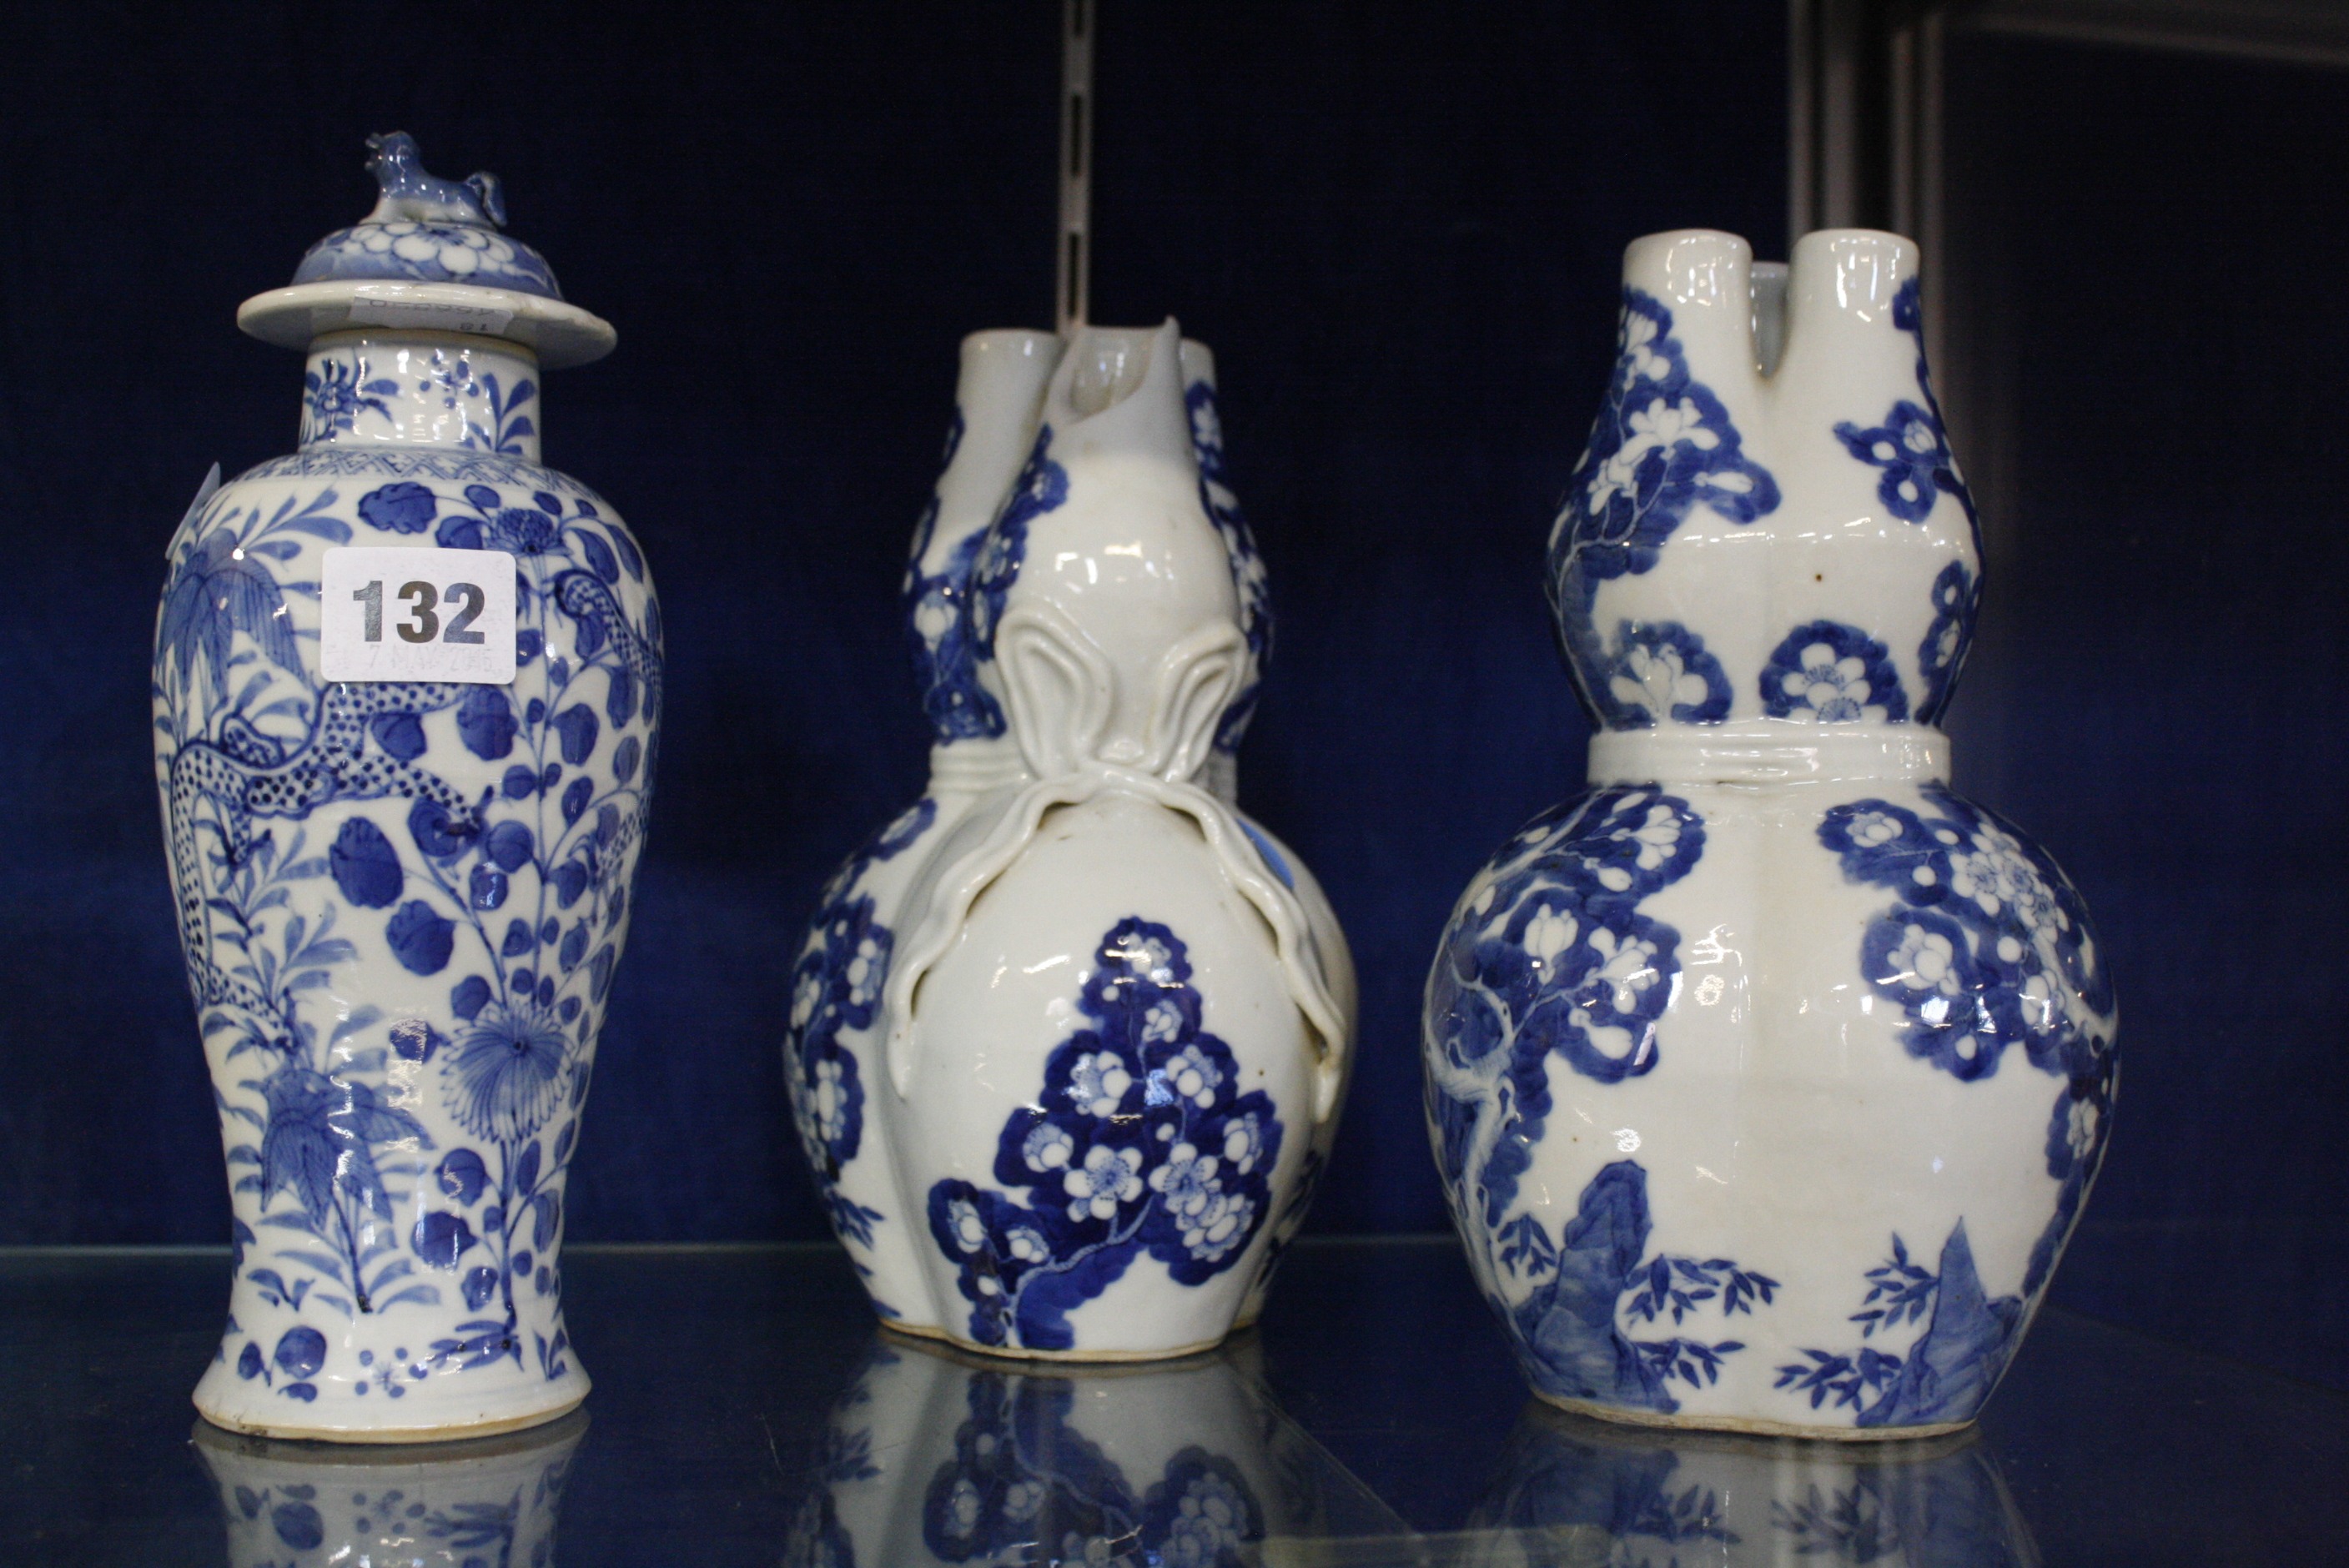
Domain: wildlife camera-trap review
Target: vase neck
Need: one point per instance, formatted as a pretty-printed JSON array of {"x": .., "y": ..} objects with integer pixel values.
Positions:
[
  {"x": 1769, "y": 752},
  {"x": 415, "y": 388}
]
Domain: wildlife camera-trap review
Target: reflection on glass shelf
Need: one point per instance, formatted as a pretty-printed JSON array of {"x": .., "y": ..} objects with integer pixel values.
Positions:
[
  {"x": 1574, "y": 1491},
  {"x": 934, "y": 1457},
  {"x": 433, "y": 1505},
  {"x": 745, "y": 1413}
]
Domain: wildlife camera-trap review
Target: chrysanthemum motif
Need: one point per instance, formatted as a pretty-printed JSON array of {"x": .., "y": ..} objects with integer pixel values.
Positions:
[
  {"x": 524, "y": 530},
  {"x": 507, "y": 1071},
  {"x": 1140, "y": 1143}
]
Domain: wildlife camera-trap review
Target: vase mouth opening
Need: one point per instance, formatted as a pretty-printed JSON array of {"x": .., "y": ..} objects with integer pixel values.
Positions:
[
  {"x": 1769, "y": 283},
  {"x": 1108, "y": 365}
]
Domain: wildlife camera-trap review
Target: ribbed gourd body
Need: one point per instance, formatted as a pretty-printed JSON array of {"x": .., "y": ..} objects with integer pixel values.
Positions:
[{"x": 1767, "y": 1076}]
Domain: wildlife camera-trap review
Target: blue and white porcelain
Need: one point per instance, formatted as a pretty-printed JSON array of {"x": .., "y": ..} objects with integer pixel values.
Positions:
[
  {"x": 428, "y": 231},
  {"x": 1069, "y": 1037},
  {"x": 932, "y": 1457},
  {"x": 1767, "y": 1076},
  {"x": 493, "y": 1500},
  {"x": 1570, "y": 1489},
  {"x": 402, "y": 902}
]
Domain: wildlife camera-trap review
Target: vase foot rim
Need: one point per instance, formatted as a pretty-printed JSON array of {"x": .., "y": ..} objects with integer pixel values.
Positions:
[
  {"x": 449, "y": 1432},
  {"x": 996, "y": 1356},
  {"x": 1749, "y": 1426}
]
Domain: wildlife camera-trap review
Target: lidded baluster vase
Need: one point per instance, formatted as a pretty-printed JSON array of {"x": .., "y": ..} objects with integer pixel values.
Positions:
[
  {"x": 406, "y": 687},
  {"x": 1069, "y": 1037},
  {"x": 1767, "y": 1076}
]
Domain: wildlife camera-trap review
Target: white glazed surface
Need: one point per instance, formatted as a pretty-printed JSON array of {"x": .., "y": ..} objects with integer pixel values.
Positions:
[
  {"x": 1089, "y": 622},
  {"x": 1767, "y": 1078},
  {"x": 402, "y": 904}
]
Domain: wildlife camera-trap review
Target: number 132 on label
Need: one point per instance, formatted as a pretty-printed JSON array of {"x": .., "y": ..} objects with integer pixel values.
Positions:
[{"x": 417, "y": 614}]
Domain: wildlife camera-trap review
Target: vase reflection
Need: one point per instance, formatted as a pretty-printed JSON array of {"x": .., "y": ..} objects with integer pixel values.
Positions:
[
  {"x": 1574, "y": 1491},
  {"x": 934, "y": 1456},
  {"x": 489, "y": 1502}
]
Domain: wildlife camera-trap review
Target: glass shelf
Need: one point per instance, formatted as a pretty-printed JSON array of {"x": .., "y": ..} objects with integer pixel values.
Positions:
[{"x": 747, "y": 1410}]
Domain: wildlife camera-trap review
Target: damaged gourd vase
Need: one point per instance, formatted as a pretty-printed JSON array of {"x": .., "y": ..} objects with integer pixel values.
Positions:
[
  {"x": 406, "y": 689},
  {"x": 1767, "y": 1076},
  {"x": 1069, "y": 1037}
]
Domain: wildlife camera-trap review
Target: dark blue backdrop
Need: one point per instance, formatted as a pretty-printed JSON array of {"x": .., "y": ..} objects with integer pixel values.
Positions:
[
  {"x": 1400, "y": 228},
  {"x": 2149, "y": 243}
]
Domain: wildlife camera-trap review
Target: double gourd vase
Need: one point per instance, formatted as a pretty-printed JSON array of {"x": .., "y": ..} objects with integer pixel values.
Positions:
[
  {"x": 407, "y": 689},
  {"x": 1069, "y": 1037},
  {"x": 1767, "y": 1076}
]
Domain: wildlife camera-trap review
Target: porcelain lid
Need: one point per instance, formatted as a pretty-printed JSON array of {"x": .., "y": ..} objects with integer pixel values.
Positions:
[{"x": 429, "y": 255}]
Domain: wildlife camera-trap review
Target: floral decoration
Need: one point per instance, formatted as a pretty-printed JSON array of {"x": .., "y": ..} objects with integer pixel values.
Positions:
[{"x": 1140, "y": 1142}]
